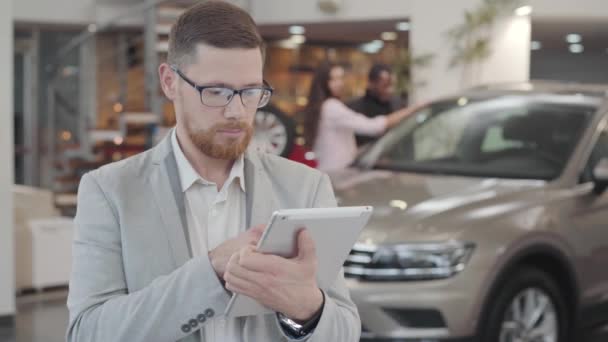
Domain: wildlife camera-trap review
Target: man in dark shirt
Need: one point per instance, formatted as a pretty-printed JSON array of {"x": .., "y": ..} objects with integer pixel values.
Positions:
[{"x": 378, "y": 98}]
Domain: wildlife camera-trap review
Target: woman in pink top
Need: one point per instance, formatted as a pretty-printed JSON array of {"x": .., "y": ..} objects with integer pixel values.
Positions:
[{"x": 330, "y": 126}]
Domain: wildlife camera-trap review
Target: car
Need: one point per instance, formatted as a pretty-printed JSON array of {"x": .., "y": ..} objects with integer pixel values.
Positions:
[
  {"x": 275, "y": 133},
  {"x": 490, "y": 220}
]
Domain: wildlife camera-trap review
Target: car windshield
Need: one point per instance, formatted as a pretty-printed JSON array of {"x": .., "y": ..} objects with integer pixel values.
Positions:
[{"x": 502, "y": 137}]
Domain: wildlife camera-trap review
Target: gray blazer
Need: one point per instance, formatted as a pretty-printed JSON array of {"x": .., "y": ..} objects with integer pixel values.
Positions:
[{"x": 133, "y": 275}]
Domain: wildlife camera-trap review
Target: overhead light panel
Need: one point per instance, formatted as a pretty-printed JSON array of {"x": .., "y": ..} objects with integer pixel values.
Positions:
[
  {"x": 574, "y": 38},
  {"x": 535, "y": 45},
  {"x": 576, "y": 48},
  {"x": 388, "y": 35},
  {"x": 298, "y": 39},
  {"x": 402, "y": 26},
  {"x": 523, "y": 11},
  {"x": 297, "y": 29},
  {"x": 373, "y": 46}
]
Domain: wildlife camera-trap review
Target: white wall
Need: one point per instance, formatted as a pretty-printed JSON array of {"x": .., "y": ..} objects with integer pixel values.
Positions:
[
  {"x": 72, "y": 12},
  {"x": 569, "y": 9},
  {"x": 54, "y": 11},
  {"x": 301, "y": 11},
  {"x": 509, "y": 62},
  {"x": 288, "y": 11},
  {"x": 7, "y": 258}
]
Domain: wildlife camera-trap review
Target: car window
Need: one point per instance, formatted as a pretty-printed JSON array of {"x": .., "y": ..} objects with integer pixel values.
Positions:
[
  {"x": 495, "y": 141},
  {"x": 440, "y": 136},
  {"x": 509, "y": 137}
]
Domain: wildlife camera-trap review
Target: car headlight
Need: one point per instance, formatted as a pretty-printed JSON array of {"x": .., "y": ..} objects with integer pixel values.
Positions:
[{"x": 412, "y": 261}]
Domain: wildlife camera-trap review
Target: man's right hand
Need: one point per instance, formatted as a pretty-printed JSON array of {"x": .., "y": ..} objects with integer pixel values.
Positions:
[{"x": 221, "y": 254}]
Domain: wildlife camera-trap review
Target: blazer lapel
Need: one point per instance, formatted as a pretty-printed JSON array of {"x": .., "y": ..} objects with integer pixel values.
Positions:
[
  {"x": 164, "y": 182},
  {"x": 260, "y": 201}
]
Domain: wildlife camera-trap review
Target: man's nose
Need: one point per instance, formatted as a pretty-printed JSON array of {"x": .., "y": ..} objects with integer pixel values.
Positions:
[{"x": 235, "y": 109}]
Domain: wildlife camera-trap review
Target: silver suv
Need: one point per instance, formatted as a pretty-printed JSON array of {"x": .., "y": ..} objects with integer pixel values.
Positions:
[{"x": 491, "y": 219}]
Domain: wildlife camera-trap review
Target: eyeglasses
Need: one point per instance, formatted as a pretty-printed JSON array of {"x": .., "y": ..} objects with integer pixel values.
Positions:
[{"x": 215, "y": 96}]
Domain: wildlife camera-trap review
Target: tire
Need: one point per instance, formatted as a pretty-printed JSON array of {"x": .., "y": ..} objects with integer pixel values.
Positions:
[
  {"x": 523, "y": 285},
  {"x": 275, "y": 132}
]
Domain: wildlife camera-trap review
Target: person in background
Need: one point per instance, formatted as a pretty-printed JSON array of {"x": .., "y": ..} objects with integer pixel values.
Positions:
[
  {"x": 379, "y": 97},
  {"x": 330, "y": 126}
]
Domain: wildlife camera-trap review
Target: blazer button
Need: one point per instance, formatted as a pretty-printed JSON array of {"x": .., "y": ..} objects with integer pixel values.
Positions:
[
  {"x": 193, "y": 323},
  {"x": 209, "y": 313},
  {"x": 186, "y": 328},
  {"x": 201, "y": 318}
]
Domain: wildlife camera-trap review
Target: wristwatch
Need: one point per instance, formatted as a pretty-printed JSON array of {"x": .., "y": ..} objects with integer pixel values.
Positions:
[{"x": 301, "y": 330}]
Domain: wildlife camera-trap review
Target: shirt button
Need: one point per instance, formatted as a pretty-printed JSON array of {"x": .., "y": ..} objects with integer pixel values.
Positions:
[
  {"x": 201, "y": 318},
  {"x": 209, "y": 313}
]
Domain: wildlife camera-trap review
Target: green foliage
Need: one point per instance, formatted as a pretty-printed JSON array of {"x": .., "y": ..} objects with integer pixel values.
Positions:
[
  {"x": 471, "y": 39},
  {"x": 403, "y": 66}
]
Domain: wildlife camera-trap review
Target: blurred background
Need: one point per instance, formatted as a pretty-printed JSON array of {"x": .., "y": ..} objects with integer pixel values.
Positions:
[{"x": 79, "y": 89}]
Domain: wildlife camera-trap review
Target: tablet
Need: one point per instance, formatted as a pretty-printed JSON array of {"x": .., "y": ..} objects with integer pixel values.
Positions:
[{"x": 334, "y": 231}]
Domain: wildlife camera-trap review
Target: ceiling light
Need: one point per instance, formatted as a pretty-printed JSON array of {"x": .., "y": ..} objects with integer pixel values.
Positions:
[
  {"x": 576, "y": 48},
  {"x": 388, "y": 35},
  {"x": 398, "y": 204},
  {"x": 373, "y": 46},
  {"x": 574, "y": 38},
  {"x": 286, "y": 44},
  {"x": 296, "y": 29},
  {"x": 536, "y": 45},
  {"x": 523, "y": 11},
  {"x": 298, "y": 39},
  {"x": 402, "y": 26},
  {"x": 463, "y": 101}
]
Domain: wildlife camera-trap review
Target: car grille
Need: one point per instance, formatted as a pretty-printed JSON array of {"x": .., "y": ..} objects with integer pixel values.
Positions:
[{"x": 358, "y": 260}]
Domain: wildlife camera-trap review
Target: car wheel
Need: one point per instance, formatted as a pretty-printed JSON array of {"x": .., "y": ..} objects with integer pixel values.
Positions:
[
  {"x": 528, "y": 306},
  {"x": 274, "y": 131}
]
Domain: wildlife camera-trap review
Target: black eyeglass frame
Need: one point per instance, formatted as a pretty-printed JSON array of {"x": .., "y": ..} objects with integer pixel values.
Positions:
[{"x": 199, "y": 88}]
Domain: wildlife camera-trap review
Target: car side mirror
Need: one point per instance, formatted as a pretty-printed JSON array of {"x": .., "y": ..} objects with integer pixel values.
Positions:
[{"x": 600, "y": 176}]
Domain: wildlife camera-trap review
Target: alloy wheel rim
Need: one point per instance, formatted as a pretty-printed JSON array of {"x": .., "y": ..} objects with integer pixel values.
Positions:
[
  {"x": 270, "y": 133},
  {"x": 530, "y": 317}
]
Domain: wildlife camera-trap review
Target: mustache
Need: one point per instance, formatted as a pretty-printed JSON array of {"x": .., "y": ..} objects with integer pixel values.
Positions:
[{"x": 231, "y": 125}]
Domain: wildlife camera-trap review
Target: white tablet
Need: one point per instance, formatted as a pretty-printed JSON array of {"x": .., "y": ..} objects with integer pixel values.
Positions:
[{"x": 334, "y": 231}]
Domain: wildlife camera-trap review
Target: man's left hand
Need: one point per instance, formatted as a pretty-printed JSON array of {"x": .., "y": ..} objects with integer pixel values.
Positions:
[{"x": 288, "y": 286}]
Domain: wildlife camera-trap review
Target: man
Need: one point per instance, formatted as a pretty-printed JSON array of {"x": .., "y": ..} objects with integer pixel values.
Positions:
[
  {"x": 378, "y": 98},
  {"x": 161, "y": 238}
]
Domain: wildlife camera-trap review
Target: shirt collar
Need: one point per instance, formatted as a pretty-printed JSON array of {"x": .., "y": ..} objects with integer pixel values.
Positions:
[{"x": 189, "y": 176}]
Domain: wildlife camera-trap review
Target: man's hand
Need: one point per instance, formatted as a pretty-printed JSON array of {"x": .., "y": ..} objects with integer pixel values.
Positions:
[
  {"x": 220, "y": 256},
  {"x": 285, "y": 285}
]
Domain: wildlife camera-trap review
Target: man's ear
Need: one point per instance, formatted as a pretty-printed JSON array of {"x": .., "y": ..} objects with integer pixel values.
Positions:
[{"x": 168, "y": 81}]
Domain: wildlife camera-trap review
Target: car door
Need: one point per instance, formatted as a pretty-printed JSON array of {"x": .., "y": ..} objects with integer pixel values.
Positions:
[{"x": 590, "y": 220}]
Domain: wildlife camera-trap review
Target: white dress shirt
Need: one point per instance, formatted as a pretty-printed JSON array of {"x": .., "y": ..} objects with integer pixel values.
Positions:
[
  {"x": 213, "y": 217},
  {"x": 335, "y": 147}
]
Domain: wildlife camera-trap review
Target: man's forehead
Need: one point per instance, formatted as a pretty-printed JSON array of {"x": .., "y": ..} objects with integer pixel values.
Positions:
[
  {"x": 229, "y": 65},
  {"x": 203, "y": 50}
]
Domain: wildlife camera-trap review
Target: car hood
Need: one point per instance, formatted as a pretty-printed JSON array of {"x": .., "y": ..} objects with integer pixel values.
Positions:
[{"x": 424, "y": 207}]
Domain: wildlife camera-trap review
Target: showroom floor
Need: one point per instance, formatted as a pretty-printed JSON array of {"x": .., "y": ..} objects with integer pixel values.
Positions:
[{"x": 43, "y": 318}]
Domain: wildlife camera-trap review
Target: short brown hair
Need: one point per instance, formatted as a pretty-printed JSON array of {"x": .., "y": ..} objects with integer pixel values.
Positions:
[{"x": 215, "y": 23}]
